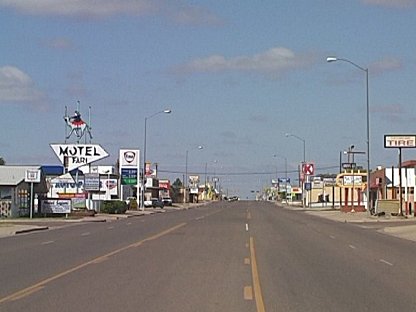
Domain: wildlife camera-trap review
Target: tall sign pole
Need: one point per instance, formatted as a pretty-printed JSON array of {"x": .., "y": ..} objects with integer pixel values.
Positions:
[{"x": 400, "y": 141}]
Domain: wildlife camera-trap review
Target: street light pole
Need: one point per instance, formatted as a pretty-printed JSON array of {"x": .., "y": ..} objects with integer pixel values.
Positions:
[
  {"x": 304, "y": 144},
  {"x": 334, "y": 59},
  {"x": 304, "y": 162},
  {"x": 278, "y": 155},
  {"x": 166, "y": 111}
]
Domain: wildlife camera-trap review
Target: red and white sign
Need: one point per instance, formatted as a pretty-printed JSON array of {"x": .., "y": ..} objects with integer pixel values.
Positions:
[
  {"x": 164, "y": 184},
  {"x": 308, "y": 168}
]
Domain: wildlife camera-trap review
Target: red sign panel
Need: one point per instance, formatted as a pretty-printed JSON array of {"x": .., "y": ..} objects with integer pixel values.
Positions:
[{"x": 308, "y": 168}]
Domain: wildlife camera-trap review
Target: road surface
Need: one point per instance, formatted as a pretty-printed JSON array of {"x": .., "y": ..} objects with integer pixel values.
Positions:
[{"x": 226, "y": 256}]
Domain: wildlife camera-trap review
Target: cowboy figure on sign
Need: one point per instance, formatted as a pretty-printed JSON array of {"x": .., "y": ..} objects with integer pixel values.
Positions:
[{"x": 76, "y": 125}]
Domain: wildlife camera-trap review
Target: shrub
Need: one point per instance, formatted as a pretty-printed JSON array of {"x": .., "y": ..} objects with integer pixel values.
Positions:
[{"x": 114, "y": 207}]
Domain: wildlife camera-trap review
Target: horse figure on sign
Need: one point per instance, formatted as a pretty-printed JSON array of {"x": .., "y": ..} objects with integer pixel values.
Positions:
[{"x": 76, "y": 126}]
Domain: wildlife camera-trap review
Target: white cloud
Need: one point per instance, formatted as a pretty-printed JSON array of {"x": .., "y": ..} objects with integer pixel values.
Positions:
[
  {"x": 393, "y": 113},
  {"x": 274, "y": 60},
  {"x": 392, "y": 3},
  {"x": 385, "y": 65},
  {"x": 16, "y": 86},
  {"x": 78, "y": 7},
  {"x": 177, "y": 10}
]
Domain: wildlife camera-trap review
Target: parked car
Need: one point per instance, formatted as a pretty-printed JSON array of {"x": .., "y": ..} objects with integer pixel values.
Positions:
[
  {"x": 154, "y": 202},
  {"x": 167, "y": 201}
]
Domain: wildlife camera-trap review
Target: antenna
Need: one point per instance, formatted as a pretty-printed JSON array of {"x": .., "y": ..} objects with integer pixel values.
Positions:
[{"x": 66, "y": 127}]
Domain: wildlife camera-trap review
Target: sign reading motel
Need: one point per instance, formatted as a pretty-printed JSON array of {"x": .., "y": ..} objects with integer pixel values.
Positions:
[
  {"x": 73, "y": 156},
  {"x": 399, "y": 141}
]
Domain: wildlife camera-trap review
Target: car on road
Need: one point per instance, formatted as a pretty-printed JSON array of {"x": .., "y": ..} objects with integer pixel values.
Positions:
[
  {"x": 167, "y": 201},
  {"x": 154, "y": 202}
]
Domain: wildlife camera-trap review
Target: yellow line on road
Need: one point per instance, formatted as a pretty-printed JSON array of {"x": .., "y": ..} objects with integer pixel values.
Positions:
[
  {"x": 256, "y": 280},
  {"x": 31, "y": 289}
]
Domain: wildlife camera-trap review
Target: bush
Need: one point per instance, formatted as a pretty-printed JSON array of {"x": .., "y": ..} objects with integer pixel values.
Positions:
[{"x": 114, "y": 207}]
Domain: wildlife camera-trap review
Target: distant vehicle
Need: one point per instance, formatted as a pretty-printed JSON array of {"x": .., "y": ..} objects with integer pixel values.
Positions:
[
  {"x": 233, "y": 198},
  {"x": 154, "y": 202},
  {"x": 167, "y": 201}
]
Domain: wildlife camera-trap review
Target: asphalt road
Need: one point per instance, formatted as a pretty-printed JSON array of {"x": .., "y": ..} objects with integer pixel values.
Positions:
[{"x": 238, "y": 256}]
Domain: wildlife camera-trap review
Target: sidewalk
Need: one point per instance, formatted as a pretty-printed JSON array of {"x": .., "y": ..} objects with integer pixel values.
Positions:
[
  {"x": 398, "y": 226},
  {"x": 10, "y": 227}
]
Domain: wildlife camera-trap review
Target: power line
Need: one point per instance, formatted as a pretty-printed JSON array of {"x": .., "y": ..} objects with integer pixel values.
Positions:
[{"x": 317, "y": 169}]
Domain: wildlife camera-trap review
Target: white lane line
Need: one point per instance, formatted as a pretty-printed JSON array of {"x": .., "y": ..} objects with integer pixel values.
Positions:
[
  {"x": 47, "y": 243},
  {"x": 352, "y": 247},
  {"x": 199, "y": 218},
  {"x": 85, "y": 234},
  {"x": 110, "y": 228},
  {"x": 386, "y": 262},
  {"x": 246, "y": 227},
  {"x": 332, "y": 236},
  {"x": 128, "y": 223}
]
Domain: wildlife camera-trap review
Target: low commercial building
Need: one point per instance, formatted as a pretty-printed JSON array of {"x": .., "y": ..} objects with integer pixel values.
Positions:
[{"x": 16, "y": 185}]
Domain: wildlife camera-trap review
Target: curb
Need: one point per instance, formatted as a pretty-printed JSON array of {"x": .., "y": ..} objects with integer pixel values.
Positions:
[{"x": 33, "y": 229}]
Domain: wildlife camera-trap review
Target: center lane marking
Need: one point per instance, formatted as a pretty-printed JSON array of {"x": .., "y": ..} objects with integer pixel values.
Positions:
[{"x": 256, "y": 280}]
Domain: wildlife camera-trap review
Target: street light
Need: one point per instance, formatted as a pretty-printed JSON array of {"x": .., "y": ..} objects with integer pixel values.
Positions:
[
  {"x": 334, "y": 59},
  {"x": 199, "y": 147},
  {"x": 166, "y": 111},
  {"x": 278, "y": 155},
  {"x": 304, "y": 162},
  {"x": 304, "y": 144}
]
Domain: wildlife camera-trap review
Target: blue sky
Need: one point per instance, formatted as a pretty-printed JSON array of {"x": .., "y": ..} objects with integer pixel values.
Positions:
[{"x": 237, "y": 76}]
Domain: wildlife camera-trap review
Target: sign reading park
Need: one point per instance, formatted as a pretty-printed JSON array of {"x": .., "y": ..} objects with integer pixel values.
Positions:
[{"x": 73, "y": 156}]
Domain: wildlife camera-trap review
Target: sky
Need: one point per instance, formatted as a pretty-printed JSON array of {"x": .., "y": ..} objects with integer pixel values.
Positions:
[{"x": 237, "y": 75}]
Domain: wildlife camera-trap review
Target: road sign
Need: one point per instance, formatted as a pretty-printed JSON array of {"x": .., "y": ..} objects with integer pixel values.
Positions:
[
  {"x": 308, "y": 168},
  {"x": 32, "y": 175}
]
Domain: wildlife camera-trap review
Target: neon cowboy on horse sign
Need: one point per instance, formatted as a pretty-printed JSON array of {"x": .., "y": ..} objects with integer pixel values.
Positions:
[{"x": 76, "y": 125}]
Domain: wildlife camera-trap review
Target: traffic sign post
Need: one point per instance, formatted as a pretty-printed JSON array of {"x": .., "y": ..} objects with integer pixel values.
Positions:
[{"x": 32, "y": 176}]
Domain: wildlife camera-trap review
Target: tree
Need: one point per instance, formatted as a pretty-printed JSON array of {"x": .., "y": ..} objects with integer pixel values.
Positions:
[
  {"x": 177, "y": 184},
  {"x": 2, "y": 161},
  {"x": 176, "y": 189}
]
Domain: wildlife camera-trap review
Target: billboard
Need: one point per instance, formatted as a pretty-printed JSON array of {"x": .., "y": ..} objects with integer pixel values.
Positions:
[
  {"x": 56, "y": 206},
  {"x": 399, "y": 141},
  {"x": 91, "y": 182}
]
